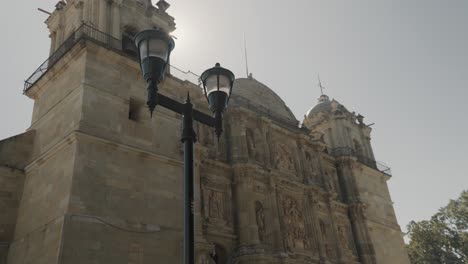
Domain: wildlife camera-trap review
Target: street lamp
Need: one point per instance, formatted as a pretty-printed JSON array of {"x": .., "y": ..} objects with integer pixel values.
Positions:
[{"x": 154, "y": 50}]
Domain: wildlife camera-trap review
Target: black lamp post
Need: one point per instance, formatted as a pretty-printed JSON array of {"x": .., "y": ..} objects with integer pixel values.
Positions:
[{"x": 154, "y": 49}]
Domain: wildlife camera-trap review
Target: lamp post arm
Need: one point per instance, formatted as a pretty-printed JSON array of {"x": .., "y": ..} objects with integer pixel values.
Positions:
[{"x": 179, "y": 108}]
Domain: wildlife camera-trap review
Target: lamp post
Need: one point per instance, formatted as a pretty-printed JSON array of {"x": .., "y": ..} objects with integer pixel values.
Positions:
[{"x": 154, "y": 49}]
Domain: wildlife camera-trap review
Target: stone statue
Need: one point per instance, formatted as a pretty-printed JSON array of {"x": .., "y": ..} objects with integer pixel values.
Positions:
[
  {"x": 215, "y": 205},
  {"x": 342, "y": 237},
  {"x": 260, "y": 217},
  {"x": 323, "y": 229},
  {"x": 251, "y": 146}
]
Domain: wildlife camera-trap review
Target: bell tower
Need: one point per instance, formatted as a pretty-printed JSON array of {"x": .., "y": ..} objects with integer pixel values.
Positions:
[
  {"x": 97, "y": 185},
  {"x": 363, "y": 181},
  {"x": 111, "y": 17}
]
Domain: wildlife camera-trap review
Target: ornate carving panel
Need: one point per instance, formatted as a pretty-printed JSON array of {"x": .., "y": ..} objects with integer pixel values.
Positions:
[
  {"x": 283, "y": 158},
  {"x": 294, "y": 223}
]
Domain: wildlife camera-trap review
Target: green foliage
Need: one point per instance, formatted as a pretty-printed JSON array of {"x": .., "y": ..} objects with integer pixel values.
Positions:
[{"x": 444, "y": 238}]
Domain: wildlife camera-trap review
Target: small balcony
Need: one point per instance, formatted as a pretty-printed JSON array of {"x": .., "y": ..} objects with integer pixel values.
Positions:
[{"x": 345, "y": 151}]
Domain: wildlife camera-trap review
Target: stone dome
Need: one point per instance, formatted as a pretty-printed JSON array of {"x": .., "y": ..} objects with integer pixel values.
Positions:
[
  {"x": 326, "y": 105},
  {"x": 258, "y": 94}
]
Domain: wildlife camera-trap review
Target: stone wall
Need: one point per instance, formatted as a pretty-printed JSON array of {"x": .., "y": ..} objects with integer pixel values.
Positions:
[{"x": 11, "y": 187}]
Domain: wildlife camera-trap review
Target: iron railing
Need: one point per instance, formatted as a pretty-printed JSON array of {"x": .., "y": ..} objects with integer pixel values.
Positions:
[
  {"x": 88, "y": 32},
  {"x": 346, "y": 151},
  {"x": 84, "y": 31}
]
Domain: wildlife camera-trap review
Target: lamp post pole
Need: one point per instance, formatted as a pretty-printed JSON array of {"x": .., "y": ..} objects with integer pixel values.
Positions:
[
  {"x": 154, "y": 48},
  {"x": 188, "y": 137}
]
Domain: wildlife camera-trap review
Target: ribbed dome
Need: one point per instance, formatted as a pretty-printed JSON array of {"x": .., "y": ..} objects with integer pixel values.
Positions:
[{"x": 259, "y": 94}]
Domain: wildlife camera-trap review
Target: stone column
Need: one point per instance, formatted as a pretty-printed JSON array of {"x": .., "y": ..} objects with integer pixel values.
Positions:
[
  {"x": 346, "y": 178},
  {"x": 80, "y": 17},
  {"x": 361, "y": 235},
  {"x": 116, "y": 5},
  {"x": 238, "y": 144},
  {"x": 274, "y": 217},
  {"x": 266, "y": 142},
  {"x": 313, "y": 202},
  {"x": 59, "y": 35},
  {"x": 245, "y": 204},
  {"x": 102, "y": 25},
  {"x": 331, "y": 210},
  {"x": 200, "y": 155},
  {"x": 87, "y": 12},
  {"x": 313, "y": 226},
  {"x": 203, "y": 249},
  {"x": 53, "y": 42}
]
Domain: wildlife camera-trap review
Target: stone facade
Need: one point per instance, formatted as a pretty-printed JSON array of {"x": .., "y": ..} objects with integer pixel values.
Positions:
[{"x": 96, "y": 180}]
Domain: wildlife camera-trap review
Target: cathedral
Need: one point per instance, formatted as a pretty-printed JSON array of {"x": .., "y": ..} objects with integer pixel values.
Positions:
[{"x": 95, "y": 179}]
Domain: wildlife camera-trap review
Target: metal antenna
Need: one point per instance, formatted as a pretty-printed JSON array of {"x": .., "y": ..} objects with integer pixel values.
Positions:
[
  {"x": 246, "y": 57},
  {"x": 320, "y": 84}
]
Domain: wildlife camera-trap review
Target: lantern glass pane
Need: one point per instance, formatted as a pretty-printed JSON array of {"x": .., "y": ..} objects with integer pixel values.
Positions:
[
  {"x": 157, "y": 48},
  {"x": 212, "y": 84}
]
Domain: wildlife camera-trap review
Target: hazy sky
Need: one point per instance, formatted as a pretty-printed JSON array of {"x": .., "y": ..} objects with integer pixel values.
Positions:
[{"x": 402, "y": 64}]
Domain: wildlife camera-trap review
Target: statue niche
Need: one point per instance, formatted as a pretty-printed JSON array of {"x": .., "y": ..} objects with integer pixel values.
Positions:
[
  {"x": 284, "y": 159},
  {"x": 253, "y": 144},
  {"x": 296, "y": 236},
  {"x": 260, "y": 217}
]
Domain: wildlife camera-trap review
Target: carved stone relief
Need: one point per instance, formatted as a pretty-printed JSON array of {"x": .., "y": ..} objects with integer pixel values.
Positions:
[
  {"x": 293, "y": 217},
  {"x": 345, "y": 238},
  {"x": 260, "y": 217},
  {"x": 312, "y": 168},
  {"x": 284, "y": 159}
]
